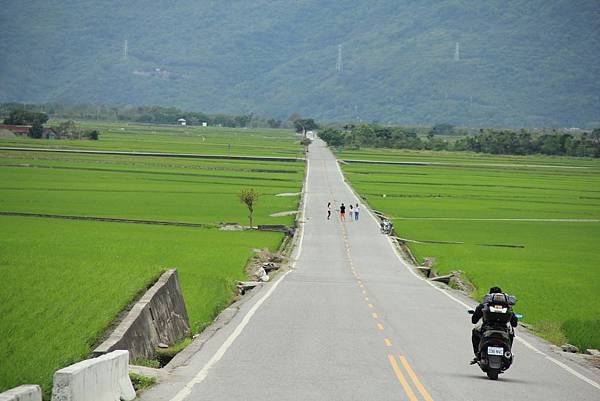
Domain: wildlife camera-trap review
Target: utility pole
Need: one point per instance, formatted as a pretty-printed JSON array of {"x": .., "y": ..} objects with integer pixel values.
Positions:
[
  {"x": 457, "y": 52},
  {"x": 339, "y": 65}
]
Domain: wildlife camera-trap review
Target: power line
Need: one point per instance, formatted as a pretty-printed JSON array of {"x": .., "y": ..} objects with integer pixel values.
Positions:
[{"x": 339, "y": 65}]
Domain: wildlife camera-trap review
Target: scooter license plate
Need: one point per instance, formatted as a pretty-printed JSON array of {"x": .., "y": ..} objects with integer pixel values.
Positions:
[{"x": 495, "y": 351}]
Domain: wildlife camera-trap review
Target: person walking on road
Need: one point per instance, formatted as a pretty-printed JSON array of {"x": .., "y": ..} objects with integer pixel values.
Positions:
[
  {"x": 343, "y": 212},
  {"x": 356, "y": 210},
  {"x": 351, "y": 213},
  {"x": 328, "y": 210}
]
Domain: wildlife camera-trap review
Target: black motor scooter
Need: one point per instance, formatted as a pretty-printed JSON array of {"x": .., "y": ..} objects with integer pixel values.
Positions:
[{"x": 495, "y": 348}]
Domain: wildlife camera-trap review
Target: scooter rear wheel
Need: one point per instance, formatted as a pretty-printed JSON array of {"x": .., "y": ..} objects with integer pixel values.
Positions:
[{"x": 492, "y": 374}]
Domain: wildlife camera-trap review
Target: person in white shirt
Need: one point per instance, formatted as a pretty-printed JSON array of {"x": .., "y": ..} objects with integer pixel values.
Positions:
[{"x": 356, "y": 210}]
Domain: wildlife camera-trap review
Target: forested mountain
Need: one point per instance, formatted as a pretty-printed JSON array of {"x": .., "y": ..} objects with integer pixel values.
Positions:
[{"x": 520, "y": 62}]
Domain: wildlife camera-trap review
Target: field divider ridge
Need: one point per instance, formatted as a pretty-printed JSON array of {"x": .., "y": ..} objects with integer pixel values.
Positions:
[
  {"x": 157, "y": 154},
  {"x": 110, "y": 219}
]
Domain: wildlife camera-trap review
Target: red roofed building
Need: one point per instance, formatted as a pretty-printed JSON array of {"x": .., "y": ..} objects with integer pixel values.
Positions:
[{"x": 22, "y": 130}]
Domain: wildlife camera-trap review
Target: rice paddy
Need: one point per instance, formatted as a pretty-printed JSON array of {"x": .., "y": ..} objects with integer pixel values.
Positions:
[{"x": 132, "y": 137}]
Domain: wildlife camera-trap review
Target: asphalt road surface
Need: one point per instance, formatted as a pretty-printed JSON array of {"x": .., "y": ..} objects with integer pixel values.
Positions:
[{"x": 351, "y": 321}]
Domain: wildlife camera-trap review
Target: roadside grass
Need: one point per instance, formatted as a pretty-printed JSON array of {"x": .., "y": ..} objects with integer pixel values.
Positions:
[
  {"x": 63, "y": 283},
  {"x": 173, "y": 139},
  {"x": 141, "y": 382},
  {"x": 164, "y": 355},
  {"x": 149, "y": 363},
  {"x": 478, "y": 200}
]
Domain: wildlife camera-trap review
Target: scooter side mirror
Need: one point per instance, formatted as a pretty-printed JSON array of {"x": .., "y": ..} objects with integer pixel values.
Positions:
[
  {"x": 470, "y": 311},
  {"x": 519, "y": 316}
]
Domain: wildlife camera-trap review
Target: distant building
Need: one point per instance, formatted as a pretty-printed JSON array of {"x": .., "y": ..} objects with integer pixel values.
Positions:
[
  {"x": 49, "y": 133},
  {"x": 182, "y": 122},
  {"x": 22, "y": 130},
  {"x": 204, "y": 124}
]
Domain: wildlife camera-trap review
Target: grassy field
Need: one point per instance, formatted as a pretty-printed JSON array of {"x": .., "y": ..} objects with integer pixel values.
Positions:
[
  {"x": 548, "y": 207},
  {"x": 469, "y": 158},
  {"x": 173, "y": 139},
  {"x": 186, "y": 190},
  {"x": 64, "y": 281}
]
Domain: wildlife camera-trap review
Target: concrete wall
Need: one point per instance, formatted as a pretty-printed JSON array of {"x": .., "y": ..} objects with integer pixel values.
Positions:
[
  {"x": 277, "y": 228},
  {"x": 158, "y": 317},
  {"x": 27, "y": 392},
  {"x": 105, "y": 378}
]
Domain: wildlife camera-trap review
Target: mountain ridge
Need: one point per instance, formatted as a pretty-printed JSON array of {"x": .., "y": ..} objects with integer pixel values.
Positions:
[{"x": 522, "y": 63}]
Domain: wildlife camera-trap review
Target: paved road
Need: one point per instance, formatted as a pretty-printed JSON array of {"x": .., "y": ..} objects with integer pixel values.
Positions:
[{"x": 351, "y": 321}]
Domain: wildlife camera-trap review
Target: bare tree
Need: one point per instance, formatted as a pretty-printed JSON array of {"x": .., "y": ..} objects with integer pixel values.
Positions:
[{"x": 249, "y": 197}]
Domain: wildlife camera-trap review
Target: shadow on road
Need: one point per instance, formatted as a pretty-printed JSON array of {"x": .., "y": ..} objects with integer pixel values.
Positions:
[{"x": 484, "y": 377}]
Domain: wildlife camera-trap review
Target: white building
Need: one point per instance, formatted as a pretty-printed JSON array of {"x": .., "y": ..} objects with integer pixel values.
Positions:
[{"x": 182, "y": 121}]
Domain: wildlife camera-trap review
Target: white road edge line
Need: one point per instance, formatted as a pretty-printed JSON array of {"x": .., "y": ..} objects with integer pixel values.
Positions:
[
  {"x": 187, "y": 389},
  {"x": 402, "y": 262},
  {"x": 573, "y": 372}
]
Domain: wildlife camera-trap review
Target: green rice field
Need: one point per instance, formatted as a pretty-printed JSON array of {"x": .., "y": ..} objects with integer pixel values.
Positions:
[
  {"x": 186, "y": 190},
  {"x": 528, "y": 224},
  {"x": 64, "y": 281},
  {"x": 173, "y": 139}
]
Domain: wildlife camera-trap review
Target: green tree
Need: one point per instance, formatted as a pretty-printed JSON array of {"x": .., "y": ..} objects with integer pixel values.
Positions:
[
  {"x": 249, "y": 197},
  {"x": 443, "y": 129},
  {"x": 302, "y": 125},
  {"x": 68, "y": 129},
  {"x": 332, "y": 137},
  {"x": 24, "y": 117},
  {"x": 36, "y": 130},
  {"x": 93, "y": 135},
  {"x": 594, "y": 139}
]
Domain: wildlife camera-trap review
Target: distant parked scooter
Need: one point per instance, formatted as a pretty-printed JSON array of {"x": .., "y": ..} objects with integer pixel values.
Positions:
[{"x": 386, "y": 227}]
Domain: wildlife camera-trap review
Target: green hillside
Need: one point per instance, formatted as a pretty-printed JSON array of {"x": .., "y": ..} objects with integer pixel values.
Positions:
[{"x": 521, "y": 62}]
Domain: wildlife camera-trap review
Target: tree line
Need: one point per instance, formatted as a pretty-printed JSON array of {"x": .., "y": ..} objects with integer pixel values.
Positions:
[
  {"x": 144, "y": 114},
  {"x": 499, "y": 142},
  {"x": 36, "y": 120}
]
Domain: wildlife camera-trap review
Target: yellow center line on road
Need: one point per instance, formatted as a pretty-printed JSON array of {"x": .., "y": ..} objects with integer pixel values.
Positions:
[
  {"x": 411, "y": 395},
  {"x": 380, "y": 326},
  {"x": 375, "y": 316},
  {"x": 415, "y": 380},
  {"x": 371, "y": 306},
  {"x": 364, "y": 291},
  {"x": 387, "y": 342},
  {"x": 367, "y": 299}
]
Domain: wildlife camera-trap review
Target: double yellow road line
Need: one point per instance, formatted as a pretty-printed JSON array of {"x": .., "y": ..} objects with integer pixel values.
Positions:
[
  {"x": 405, "y": 384},
  {"x": 403, "y": 361}
]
